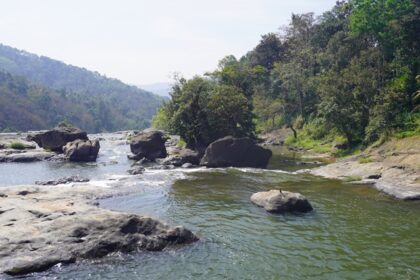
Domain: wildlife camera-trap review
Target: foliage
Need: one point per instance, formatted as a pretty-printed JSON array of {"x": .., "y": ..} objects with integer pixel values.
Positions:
[
  {"x": 43, "y": 92},
  {"x": 17, "y": 146},
  {"x": 202, "y": 110},
  {"x": 350, "y": 74}
]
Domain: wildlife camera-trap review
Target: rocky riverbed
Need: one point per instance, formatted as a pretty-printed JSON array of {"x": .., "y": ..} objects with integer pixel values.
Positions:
[
  {"x": 44, "y": 226},
  {"x": 59, "y": 221}
]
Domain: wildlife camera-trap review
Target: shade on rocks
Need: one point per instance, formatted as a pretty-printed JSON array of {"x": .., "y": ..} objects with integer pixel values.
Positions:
[{"x": 235, "y": 152}]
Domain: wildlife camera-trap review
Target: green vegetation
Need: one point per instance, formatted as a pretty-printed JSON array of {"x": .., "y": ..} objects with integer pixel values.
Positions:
[
  {"x": 352, "y": 179},
  {"x": 365, "y": 159},
  {"x": 17, "y": 146},
  {"x": 349, "y": 76},
  {"x": 203, "y": 110},
  {"x": 38, "y": 92}
]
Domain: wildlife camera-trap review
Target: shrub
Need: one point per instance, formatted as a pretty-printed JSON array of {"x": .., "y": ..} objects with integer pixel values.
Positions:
[{"x": 17, "y": 146}]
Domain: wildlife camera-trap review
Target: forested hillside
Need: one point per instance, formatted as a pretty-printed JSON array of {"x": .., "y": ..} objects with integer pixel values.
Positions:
[
  {"x": 351, "y": 74},
  {"x": 107, "y": 104}
]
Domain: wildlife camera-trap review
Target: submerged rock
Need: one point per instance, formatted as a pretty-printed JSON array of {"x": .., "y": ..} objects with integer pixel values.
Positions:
[
  {"x": 235, "y": 152},
  {"x": 25, "y": 156},
  {"x": 148, "y": 144},
  {"x": 277, "y": 201},
  {"x": 56, "y": 138},
  {"x": 64, "y": 180},
  {"x": 82, "y": 150},
  {"x": 136, "y": 170}
]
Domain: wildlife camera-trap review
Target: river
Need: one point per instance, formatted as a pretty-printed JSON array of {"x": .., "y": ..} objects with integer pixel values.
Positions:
[{"x": 355, "y": 231}]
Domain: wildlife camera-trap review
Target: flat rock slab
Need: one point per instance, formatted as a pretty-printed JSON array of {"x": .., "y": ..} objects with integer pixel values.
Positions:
[
  {"x": 401, "y": 183},
  {"x": 24, "y": 156},
  {"x": 41, "y": 226},
  {"x": 277, "y": 201}
]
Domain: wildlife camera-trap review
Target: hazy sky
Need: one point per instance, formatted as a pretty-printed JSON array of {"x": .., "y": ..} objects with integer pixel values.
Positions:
[{"x": 143, "y": 41}]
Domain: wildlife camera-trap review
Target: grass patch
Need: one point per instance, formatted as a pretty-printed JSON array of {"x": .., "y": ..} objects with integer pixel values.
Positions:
[
  {"x": 308, "y": 143},
  {"x": 17, "y": 146},
  {"x": 365, "y": 159},
  {"x": 411, "y": 126},
  {"x": 181, "y": 143},
  {"x": 352, "y": 178}
]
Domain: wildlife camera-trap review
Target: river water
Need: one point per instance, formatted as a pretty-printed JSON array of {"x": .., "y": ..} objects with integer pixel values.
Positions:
[{"x": 355, "y": 231}]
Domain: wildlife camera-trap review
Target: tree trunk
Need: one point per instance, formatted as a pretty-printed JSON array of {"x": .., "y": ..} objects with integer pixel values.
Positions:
[{"x": 294, "y": 131}]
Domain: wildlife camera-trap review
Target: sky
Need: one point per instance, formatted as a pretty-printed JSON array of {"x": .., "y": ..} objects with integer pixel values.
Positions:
[{"x": 145, "y": 41}]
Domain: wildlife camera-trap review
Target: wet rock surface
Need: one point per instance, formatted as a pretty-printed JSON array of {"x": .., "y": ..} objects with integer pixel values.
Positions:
[
  {"x": 136, "y": 170},
  {"x": 277, "y": 201},
  {"x": 56, "y": 138},
  {"x": 46, "y": 225},
  {"x": 24, "y": 156},
  {"x": 181, "y": 156},
  {"x": 64, "y": 180},
  {"x": 235, "y": 152},
  {"x": 82, "y": 150}
]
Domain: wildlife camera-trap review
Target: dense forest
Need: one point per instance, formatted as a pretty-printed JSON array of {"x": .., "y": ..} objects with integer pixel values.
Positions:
[
  {"x": 40, "y": 92},
  {"x": 349, "y": 75}
]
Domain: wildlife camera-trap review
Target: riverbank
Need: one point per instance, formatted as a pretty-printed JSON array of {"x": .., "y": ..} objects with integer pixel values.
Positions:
[{"x": 393, "y": 168}]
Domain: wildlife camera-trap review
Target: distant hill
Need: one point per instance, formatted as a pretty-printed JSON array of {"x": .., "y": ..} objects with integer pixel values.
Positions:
[
  {"x": 109, "y": 103},
  {"x": 161, "y": 89}
]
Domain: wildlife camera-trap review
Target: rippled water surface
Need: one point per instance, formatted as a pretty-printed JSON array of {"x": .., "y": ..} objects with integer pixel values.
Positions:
[{"x": 355, "y": 232}]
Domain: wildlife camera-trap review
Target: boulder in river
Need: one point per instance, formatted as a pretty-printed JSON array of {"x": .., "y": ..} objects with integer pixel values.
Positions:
[
  {"x": 277, "y": 201},
  {"x": 148, "y": 144},
  {"x": 56, "y": 138},
  {"x": 180, "y": 156},
  {"x": 235, "y": 152},
  {"x": 82, "y": 150}
]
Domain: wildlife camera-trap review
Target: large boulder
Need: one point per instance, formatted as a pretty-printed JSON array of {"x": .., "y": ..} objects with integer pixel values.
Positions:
[
  {"x": 56, "y": 138},
  {"x": 277, "y": 201},
  {"x": 148, "y": 144},
  {"x": 235, "y": 152},
  {"x": 82, "y": 150}
]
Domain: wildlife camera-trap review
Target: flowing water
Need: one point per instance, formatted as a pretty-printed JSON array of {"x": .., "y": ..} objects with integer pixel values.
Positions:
[{"x": 355, "y": 231}]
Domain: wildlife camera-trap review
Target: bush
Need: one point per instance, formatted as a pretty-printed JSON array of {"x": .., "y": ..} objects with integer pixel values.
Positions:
[{"x": 17, "y": 146}]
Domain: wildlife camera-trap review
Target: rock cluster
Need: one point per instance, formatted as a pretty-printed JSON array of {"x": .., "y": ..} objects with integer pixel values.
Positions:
[
  {"x": 277, "y": 201},
  {"x": 181, "y": 156},
  {"x": 56, "y": 138},
  {"x": 64, "y": 180}
]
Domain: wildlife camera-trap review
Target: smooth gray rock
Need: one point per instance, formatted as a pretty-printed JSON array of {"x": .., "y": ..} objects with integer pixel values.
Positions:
[
  {"x": 235, "y": 152},
  {"x": 277, "y": 201},
  {"x": 148, "y": 144},
  {"x": 56, "y": 138},
  {"x": 24, "y": 156},
  {"x": 187, "y": 165},
  {"x": 82, "y": 150}
]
